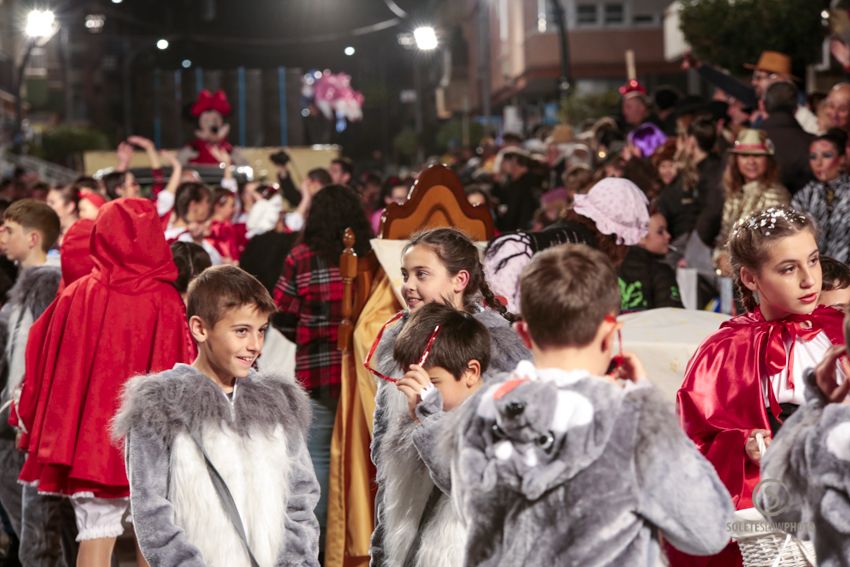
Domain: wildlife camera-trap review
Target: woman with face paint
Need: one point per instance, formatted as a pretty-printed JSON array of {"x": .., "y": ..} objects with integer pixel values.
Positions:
[{"x": 827, "y": 198}]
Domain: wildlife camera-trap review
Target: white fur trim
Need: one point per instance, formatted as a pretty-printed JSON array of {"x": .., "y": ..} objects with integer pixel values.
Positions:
[
  {"x": 255, "y": 468},
  {"x": 838, "y": 441},
  {"x": 443, "y": 539},
  {"x": 572, "y": 410},
  {"x": 530, "y": 458}
]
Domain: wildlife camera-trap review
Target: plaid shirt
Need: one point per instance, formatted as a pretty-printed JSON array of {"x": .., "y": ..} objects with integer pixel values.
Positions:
[{"x": 309, "y": 296}]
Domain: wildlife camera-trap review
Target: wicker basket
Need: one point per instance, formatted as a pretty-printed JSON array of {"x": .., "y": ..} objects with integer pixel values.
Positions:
[{"x": 763, "y": 545}]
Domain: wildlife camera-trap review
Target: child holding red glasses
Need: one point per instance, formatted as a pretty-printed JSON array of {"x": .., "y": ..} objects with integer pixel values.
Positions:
[
  {"x": 446, "y": 352},
  {"x": 746, "y": 379},
  {"x": 438, "y": 266},
  {"x": 561, "y": 464}
]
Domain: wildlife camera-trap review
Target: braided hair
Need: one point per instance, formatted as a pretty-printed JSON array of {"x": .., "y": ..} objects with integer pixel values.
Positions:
[
  {"x": 750, "y": 237},
  {"x": 457, "y": 252}
]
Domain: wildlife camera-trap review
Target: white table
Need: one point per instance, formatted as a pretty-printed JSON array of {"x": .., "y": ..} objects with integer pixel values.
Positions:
[{"x": 665, "y": 339}]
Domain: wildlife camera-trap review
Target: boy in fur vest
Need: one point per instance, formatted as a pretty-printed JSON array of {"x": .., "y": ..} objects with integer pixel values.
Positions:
[
  {"x": 446, "y": 352},
  {"x": 561, "y": 465},
  {"x": 219, "y": 419},
  {"x": 30, "y": 228},
  {"x": 805, "y": 481}
]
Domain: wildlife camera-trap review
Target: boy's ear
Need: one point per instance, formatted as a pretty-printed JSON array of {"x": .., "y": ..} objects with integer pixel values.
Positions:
[
  {"x": 521, "y": 328},
  {"x": 198, "y": 329},
  {"x": 34, "y": 238},
  {"x": 748, "y": 278},
  {"x": 461, "y": 280},
  {"x": 472, "y": 375}
]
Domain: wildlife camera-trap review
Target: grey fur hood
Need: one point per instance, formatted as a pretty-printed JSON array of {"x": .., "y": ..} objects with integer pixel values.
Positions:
[
  {"x": 36, "y": 288},
  {"x": 180, "y": 399}
]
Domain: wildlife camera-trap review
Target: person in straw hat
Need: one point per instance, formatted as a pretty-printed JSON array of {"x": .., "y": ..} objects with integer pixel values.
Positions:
[{"x": 750, "y": 183}]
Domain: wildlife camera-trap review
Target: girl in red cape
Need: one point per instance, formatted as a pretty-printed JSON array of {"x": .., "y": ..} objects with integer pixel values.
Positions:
[
  {"x": 125, "y": 318},
  {"x": 746, "y": 378}
]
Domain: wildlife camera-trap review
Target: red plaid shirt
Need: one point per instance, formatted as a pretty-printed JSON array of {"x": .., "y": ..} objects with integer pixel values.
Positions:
[{"x": 309, "y": 296}]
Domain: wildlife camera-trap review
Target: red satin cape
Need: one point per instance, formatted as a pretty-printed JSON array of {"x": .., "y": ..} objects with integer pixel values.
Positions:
[
  {"x": 721, "y": 401},
  {"x": 125, "y": 318}
]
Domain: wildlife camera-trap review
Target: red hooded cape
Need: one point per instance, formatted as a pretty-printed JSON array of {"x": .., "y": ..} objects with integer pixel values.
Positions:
[
  {"x": 123, "y": 319},
  {"x": 721, "y": 399},
  {"x": 75, "y": 253}
]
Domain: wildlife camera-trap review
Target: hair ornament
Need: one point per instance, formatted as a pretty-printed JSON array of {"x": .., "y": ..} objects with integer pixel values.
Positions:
[{"x": 765, "y": 220}]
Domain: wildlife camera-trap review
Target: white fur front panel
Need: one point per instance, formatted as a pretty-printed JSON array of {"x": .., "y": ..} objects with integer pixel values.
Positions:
[
  {"x": 255, "y": 469},
  {"x": 444, "y": 538},
  {"x": 407, "y": 484}
]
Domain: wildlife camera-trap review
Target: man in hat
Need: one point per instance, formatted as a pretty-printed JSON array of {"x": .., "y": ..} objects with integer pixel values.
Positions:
[{"x": 771, "y": 67}]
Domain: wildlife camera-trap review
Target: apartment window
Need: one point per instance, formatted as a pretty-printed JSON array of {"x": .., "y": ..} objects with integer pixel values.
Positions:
[
  {"x": 586, "y": 15},
  {"x": 643, "y": 19},
  {"x": 614, "y": 14}
]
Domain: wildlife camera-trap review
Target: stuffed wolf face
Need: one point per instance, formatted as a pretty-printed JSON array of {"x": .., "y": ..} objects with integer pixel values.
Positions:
[{"x": 524, "y": 425}]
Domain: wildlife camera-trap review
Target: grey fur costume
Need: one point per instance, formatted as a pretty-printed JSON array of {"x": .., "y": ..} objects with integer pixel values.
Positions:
[
  {"x": 403, "y": 535},
  {"x": 810, "y": 457},
  {"x": 564, "y": 468},
  {"x": 41, "y": 521},
  {"x": 257, "y": 443}
]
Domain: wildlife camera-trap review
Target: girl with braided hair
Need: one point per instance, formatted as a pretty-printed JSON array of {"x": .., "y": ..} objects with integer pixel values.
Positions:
[
  {"x": 440, "y": 265},
  {"x": 746, "y": 379}
]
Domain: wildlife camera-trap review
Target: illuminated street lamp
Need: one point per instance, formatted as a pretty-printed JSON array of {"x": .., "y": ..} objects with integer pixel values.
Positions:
[
  {"x": 426, "y": 38},
  {"x": 40, "y": 26}
]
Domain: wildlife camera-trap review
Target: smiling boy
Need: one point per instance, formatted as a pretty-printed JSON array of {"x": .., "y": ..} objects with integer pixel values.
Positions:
[{"x": 219, "y": 419}]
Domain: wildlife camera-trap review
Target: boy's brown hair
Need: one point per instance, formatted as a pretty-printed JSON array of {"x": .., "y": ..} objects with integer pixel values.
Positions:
[
  {"x": 565, "y": 294},
  {"x": 221, "y": 288},
  {"x": 461, "y": 338},
  {"x": 836, "y": 275},
  {"x": 35, "y": 215}
]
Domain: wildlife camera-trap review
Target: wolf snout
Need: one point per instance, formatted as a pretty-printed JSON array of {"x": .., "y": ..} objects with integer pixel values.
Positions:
[{"x": 514, "y": 409}]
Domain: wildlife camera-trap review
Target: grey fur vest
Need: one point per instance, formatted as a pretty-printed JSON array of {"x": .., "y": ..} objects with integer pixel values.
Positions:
[{"x": 405, "y": 483}]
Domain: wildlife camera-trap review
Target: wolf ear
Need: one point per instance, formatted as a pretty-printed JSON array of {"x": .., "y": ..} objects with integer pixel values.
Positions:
[{"x": 571, "y": 410}]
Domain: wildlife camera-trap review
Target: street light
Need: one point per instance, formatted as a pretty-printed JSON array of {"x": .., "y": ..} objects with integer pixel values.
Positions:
[
  {"x": 40, "y": 26},
  {"x": 349, "y": 51},
  {"x": 426, "y": 38},
  {"x": 162, "y": 44}
]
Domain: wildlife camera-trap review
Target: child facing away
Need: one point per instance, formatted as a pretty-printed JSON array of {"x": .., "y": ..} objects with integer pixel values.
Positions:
[
  {"x": 219, "y": 419},
  {"x": 809, "y": 458},
  {"x": 122, "y": 319},
  {"x": 440, "y": 265},
  {"x": 446, "y": 352},
  {"x": 746, "y": 379},
  {"x": 558, "y": 464}
]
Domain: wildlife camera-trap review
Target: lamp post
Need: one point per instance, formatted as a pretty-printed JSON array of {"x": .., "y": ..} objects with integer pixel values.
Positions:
[{"x": 41, "y": 25}]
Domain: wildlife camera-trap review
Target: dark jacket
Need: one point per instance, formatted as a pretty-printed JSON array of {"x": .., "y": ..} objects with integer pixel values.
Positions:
[
  {"x": 791, "y": 143},
  {"x": 678, "y": 204},
  {"x": 646, "y": 282},
  {"x": 709, "y": 198},
  {"x": 518, "y": 201}
]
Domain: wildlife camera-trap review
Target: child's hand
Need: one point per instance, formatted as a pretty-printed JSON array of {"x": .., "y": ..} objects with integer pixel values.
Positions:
[
  {"x": 752, "y": 445},
  {"x": 630, "y": 368},
  {"x": 412, "y": 385},
  {"x": 825, "y": 375}
]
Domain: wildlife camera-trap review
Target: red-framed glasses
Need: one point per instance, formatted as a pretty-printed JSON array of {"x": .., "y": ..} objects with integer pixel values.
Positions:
[
  {"x": 367, "y": 364},
  {"x": 618, "y": 359}
]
